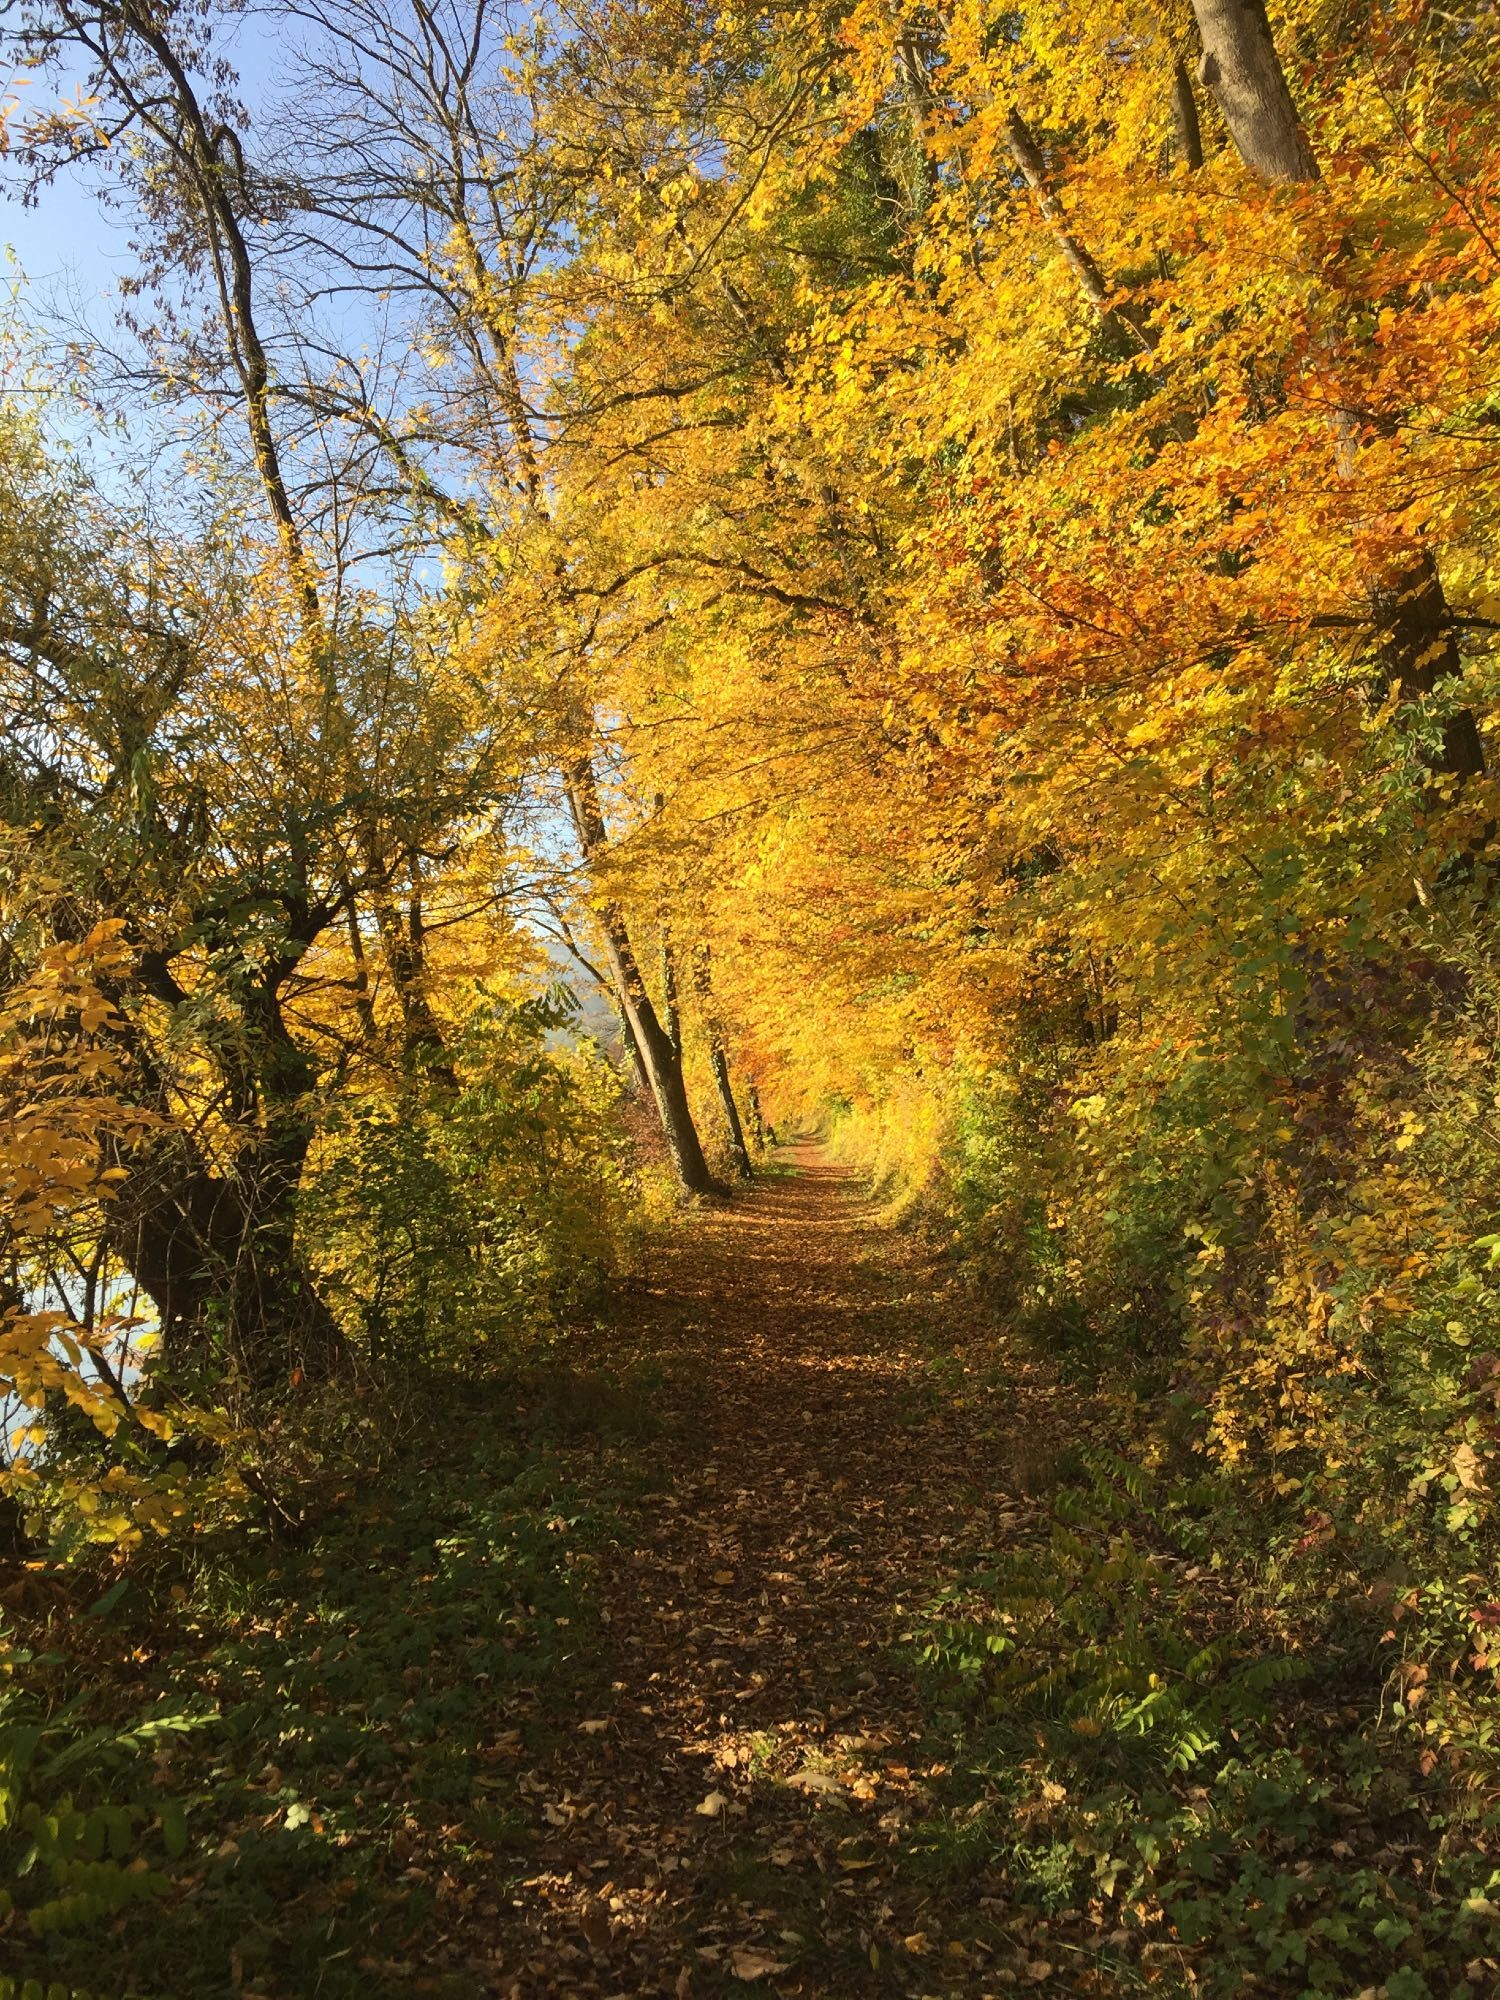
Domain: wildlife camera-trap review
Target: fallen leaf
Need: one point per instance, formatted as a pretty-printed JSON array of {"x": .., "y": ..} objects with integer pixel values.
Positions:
[
  {"x": 815, "y": 1781},
  {"x": 712, "y": 1805},
  {"x": 755, "y": 1965},
  {"x": 1470, "y": 1471}
]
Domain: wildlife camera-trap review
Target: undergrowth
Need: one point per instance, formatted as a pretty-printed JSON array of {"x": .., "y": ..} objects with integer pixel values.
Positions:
[
  {"x": 282, "y": 1767},
  {"x": 1144, "y": 1746}
]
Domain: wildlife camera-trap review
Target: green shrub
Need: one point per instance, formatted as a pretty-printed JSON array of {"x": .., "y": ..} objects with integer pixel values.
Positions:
[
  {"x": 1146, "y": 1741},
  {"x": 83, "y": 1833},
  {"x": 440, "y": 1219}
]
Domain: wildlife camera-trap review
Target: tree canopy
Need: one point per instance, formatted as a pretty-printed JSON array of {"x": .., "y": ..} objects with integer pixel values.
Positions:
[{"x": 629, "y": 577}]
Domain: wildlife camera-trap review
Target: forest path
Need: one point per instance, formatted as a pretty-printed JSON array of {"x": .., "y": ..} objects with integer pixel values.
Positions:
[{"x": 737, "y": 1813}]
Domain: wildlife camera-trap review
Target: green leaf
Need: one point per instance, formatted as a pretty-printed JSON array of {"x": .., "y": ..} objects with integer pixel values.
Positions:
[
  {"x": 174, "y": 1828},
  {"x": 102, "y": 1607}
]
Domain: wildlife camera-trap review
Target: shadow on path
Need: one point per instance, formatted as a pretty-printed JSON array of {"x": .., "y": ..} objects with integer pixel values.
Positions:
[{"x": 733, "y": 1814}]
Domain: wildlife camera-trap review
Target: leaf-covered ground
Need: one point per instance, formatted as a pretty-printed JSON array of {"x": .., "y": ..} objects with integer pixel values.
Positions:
[
  {"x": 597, "y": 1687},
  {"x": 612, "y": 1682},
  {"x": 741, "y": 1801}
]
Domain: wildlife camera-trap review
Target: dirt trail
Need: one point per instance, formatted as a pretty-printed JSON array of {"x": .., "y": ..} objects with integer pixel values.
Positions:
[{"x": 732, "y": 1817}]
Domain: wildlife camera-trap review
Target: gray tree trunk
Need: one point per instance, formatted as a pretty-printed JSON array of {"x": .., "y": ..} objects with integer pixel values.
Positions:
[
  {"x": 1242, "y": 69},
  {"x": 739, "y": 1152},
  {"x": 718, "y": 1059},
  {"x": 1413, "y": 623},
  {"x": 660, "y": 1060},
  {"x": 1185, "y": 118}
]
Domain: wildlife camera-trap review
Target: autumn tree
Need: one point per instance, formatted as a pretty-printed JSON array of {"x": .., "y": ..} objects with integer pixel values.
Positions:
[
  {"x": 1034, "y": 488},
  {"x": 444, "y": 209},
  {"x": 164, "y": 106}
]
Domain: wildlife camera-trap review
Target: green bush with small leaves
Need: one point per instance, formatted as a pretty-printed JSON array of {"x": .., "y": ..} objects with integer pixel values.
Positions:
[
  {"x": 83, "y": 1834},
  {"x": 1145, "y": 1736}
]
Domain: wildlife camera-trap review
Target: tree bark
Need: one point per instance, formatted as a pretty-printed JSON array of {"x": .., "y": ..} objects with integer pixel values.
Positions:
[
  {"x": 632, "y": 1046},
  {"x": 764, "y": 1135},
  {"x": 403, "y": 946},
  {"x": 718, "y": 1062},
  {"x": 911, "y": 81},
  {"x": 210, "y": 1253},
  {"x": 1418, "y": 649},
  {"x": 1242, "y": 69},
  {"x": 660, "y": 1060},
  {"x": 13, "y": 1537},
  {"x": 1185, "y": 118},
  {"x": 217, "y": 1253},
  {"x": 1032, "y": 168},
  {"x": 14, "y": 1542},
  {"x": 739, "y": 1152},
  {"x": 671, "y": 1012},
  {"x": 364, "y": 998},
  {"x": 279, "y": 1323},
  {"x": 1410, "y": 612}
]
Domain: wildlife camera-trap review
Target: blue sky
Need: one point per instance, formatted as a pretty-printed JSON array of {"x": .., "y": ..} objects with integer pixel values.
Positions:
[
  {"x": 67, "y": 239},
  {"x": 70, "y": 246}
]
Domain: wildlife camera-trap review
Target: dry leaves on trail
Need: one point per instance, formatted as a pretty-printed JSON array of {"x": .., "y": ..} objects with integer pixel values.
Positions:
[
  {"x": 756, "y": 1965},
  {"x": 742, "y": 1808}
]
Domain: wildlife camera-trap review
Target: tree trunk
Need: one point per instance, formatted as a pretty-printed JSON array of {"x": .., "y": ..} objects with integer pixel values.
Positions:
[
  {"x": 211, "y": 1252},
  {"x": 217, "y": 1252},
  {"x": 403, "y": 945},
  {"x": 911, "y": 82},
  {"x": 279, "y": 1323},
  {"x": 1242, "y": 69},
  {"x": 175, "y": 1227},
  {"x": 364, "y": 998},
  {"x": 14, "y": 1542},
  {"x": 739, "y": 1152},
  {"x": 1032, "y": 168},
  {"x": 764, "y": 1136},
  {"x": 718, "y": 1060},
  {"x": 671, "y": 1012},
  {"x": 660, "y": 1060},
  {"x": 1418, "y": 649},
  {"x": 632, "y": 1046},
  {"x": 1413, "y": 624},
  {"x": 1185, "y": 118}
]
